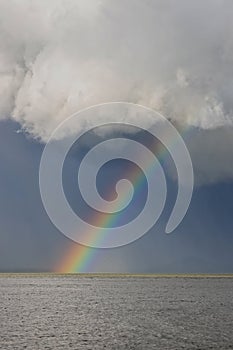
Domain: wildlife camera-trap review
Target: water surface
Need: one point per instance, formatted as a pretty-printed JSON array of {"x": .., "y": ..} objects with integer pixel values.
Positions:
[{"x": 59, "y": 312}]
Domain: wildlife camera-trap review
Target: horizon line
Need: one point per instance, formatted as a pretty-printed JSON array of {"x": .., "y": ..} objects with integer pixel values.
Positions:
[{"x": 118, "y": 275}]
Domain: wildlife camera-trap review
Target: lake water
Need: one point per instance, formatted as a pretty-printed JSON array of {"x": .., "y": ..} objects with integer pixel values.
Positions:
[{"x": 59, "y": 312}]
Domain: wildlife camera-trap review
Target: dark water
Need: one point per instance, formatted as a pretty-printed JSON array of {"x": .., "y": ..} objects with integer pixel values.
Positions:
[{"x": 115, "y": 313}]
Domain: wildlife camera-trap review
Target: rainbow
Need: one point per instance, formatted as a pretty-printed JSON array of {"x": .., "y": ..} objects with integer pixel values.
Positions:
[{"x": 79, "y": 258}]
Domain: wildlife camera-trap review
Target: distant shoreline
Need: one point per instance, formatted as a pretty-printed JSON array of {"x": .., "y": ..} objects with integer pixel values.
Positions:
[{"x": 113, "y": 275}]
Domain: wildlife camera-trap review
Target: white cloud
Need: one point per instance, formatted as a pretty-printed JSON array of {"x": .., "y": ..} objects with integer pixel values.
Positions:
[{"x": 59, "y": 56}]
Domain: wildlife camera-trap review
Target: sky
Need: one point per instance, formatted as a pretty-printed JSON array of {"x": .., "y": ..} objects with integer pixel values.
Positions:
[{"x": 59, "y": 57}]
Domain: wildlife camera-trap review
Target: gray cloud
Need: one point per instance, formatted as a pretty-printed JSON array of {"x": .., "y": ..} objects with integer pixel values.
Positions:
[{"x": 176, "y": 57}]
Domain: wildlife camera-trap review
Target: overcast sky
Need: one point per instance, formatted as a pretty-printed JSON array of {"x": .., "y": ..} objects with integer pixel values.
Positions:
[{"x": 176, "y": 57}]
